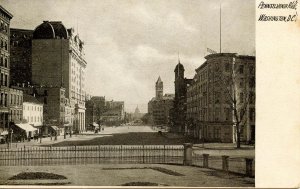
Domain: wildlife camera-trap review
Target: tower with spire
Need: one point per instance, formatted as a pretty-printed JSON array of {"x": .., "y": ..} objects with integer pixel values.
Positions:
[
  {"x": 178, "y": 115},
  {"x": 159, "y": 88},
  {"x": 179, "y": 80}
]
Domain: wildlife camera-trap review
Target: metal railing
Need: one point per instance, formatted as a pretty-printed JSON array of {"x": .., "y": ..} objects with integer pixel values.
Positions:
[{"x": 39, "y": 156}]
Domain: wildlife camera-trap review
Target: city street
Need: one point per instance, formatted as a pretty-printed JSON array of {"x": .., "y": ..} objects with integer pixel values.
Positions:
[
  {"x": 108, "y": 131},
  {"x": 120, "y": 137}
]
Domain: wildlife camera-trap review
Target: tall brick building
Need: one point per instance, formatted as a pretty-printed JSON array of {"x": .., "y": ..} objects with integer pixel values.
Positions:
[
  {"x": 20, "y": 59},
  {"x": 58, "y": 61},
  {"x": 11, "y": 98},
  {"x": 209, "y": 98}
]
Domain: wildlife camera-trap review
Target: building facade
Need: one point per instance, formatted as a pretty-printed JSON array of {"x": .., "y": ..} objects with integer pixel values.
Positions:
[
  {"x": 114, "y": 113},
  {"x": 20, "y": 59},
  {"x": 15, "y": 105},
  {"x": 11, "y": 98},
  {"x": 159, "y": 107},
  {"x": 95, "y": 107},
  {"x": 58, "y": 61},
  {"x": 32, "y": 111},
  {"x": 209, "y": 98},
  {"x": 5, "y": 18}
]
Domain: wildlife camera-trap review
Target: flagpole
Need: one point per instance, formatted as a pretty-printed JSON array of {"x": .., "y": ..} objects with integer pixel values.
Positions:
[{"x": 220, "y": 27}]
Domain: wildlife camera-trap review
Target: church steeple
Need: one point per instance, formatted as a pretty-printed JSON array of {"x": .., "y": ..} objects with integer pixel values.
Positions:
[{"x": 159, "y": 87}]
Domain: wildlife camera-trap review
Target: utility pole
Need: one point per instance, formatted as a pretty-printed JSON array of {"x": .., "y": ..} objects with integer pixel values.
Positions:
[{"x": 220, "y": 27}]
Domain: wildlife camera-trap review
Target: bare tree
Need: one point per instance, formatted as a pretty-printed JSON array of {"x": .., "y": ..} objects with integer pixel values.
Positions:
[{"x": 238, "y": 96}]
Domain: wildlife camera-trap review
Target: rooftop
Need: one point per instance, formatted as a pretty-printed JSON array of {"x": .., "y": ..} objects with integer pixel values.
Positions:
[{"x": 30, "y": 99}]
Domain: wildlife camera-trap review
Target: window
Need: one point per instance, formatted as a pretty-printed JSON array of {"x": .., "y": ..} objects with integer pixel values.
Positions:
[
  {"x": 252, "y": 82},
  {"x": 252, "y": 114},
  {"x": 241, "y": 97},
  {"x": 5, "y": 81},
  {"x": 241, "y": 69},
  {"x": 251, "y": 98},
  {"x": 5, "y": 63},
  {"x": 241, "y": 82},
  {"x": 5, "y": 100},
  {"x": 227, "y": 65},
  {"x": 251, "y": 70}
]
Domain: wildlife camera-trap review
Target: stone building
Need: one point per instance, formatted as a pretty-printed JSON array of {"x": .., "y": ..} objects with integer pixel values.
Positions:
[
  {"x": 10, "y": 98},
  {"x": 58, "y": 111},
  {"x": 95, "y": 107},
  {"x": 114, "y": 113},
  {"x": 33, "y": 111},
  {"x": 5, "y": 18},
  {"x": 160, "y": 105},
  {"x": 178, "y": 112},
  {"x": 58, "y": 61},
  {"x": 15, "y": 105},
  {"x": 20, "y": 59},
  {"x": 209, "y": 106}
]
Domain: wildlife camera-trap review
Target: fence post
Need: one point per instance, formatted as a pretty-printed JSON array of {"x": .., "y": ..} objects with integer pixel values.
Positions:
[
  {"x": 187, "y": 153},
  {"x": 143, "y": 154},
  {"x": 121, "y": 154},
  {"x": 205, "y": 160},
  {"x": 164, "y": 153},
  {"x": 75, "y": 156},
  {"x": 225, "y": 163},
  {"x": 249, "y": 162}
]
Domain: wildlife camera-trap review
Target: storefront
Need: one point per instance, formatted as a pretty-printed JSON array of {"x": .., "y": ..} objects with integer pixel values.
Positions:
[{"x": 24, "y": 130}]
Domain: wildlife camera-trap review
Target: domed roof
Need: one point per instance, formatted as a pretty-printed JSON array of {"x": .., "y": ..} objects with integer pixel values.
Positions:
[
  {"x": 50, "y": 30},
  {"x": 179, "y": 66}
]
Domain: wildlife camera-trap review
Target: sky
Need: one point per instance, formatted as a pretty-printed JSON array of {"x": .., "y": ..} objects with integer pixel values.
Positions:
[{"x": 130, "y": 43}]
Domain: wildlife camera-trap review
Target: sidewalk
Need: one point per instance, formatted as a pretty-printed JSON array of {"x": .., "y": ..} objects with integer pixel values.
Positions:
[
  {"x": 108, "y": 131},
  {"x": 223, "y": 146}
]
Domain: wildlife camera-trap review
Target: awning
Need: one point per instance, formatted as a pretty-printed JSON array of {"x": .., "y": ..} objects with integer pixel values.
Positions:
[
  {"x": 95, "y": 124},
  {"x": 4, "y": 133},
  {"x": 26, "y": 127},
  {"x": 55, "y": 128}
]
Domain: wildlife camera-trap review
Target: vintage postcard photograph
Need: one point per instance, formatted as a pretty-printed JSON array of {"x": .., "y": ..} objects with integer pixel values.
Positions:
[{"x": 127, "y": 93}]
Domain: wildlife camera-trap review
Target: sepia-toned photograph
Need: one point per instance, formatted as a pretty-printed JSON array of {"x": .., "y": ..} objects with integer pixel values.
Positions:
[{"x": 127, "y": 93}]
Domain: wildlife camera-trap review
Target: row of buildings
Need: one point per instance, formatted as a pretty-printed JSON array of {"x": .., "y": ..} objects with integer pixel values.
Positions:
[
  {"x": 102, "y": 112},
  {"x": 45, "y": 67},
  {"x": 216, "y": 105}
]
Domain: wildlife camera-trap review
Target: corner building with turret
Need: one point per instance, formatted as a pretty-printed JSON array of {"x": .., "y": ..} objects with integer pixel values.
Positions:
[{"x": 58, "y": 61}]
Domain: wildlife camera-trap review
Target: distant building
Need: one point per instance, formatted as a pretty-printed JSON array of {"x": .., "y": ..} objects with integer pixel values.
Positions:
[
  {"x": 160, "y": 105},
  {"x": 178, "y": 112},
  {"x": 209, "y": 108},
  {"x": 95, "y": 107},
  {"x": 137, "y": 114},
  {"x": 58, "y": 110},
  {"x": 20, "y": 59},
  {"x": 114, "y": 113},
  {"x": 58, "y": 61}
]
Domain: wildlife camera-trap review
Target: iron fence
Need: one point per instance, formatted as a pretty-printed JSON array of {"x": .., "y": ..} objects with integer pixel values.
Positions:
[{"x": 73, "y": 155}]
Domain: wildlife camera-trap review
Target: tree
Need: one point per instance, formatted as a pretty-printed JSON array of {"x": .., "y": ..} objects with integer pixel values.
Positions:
[{"x": 237, "y": 85}]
